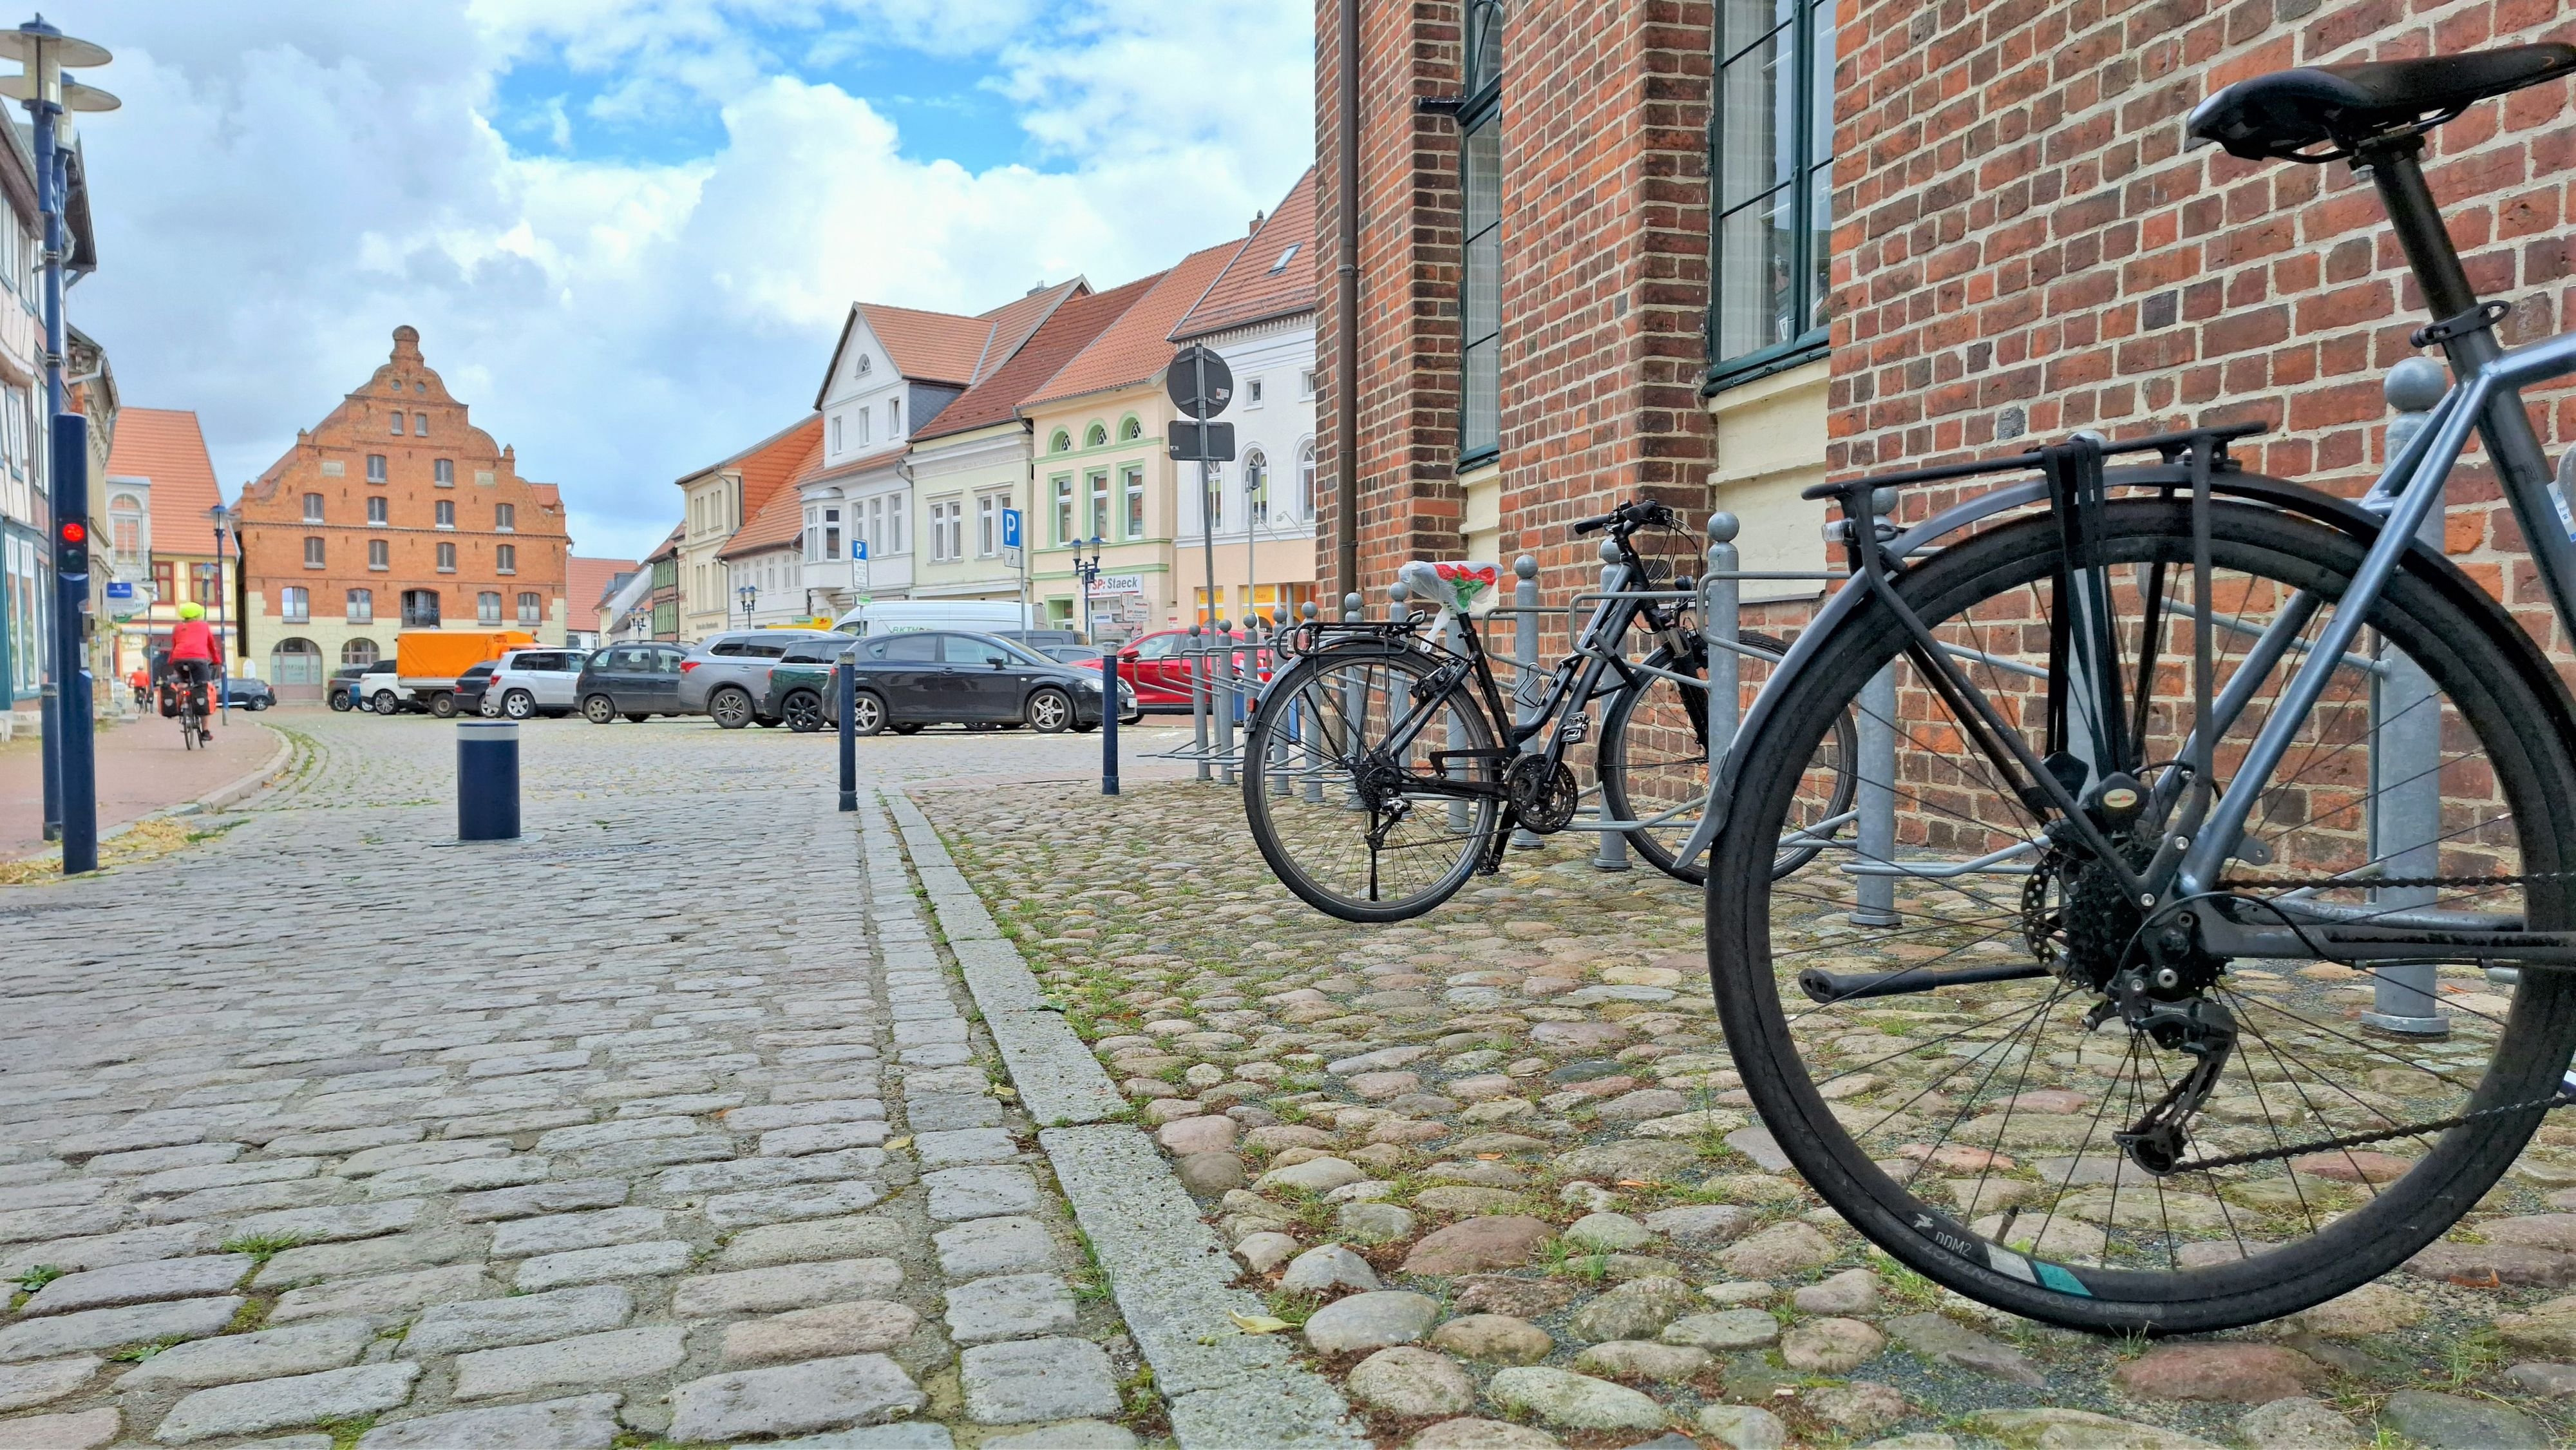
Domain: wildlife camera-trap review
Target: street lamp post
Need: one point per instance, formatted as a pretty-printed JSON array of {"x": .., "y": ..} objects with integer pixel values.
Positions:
[
  {"x": 1087, "y": 570},
  {"x": 747, "y": 594},
  {"x": 226, "y": 525},
  {"x": 71, "y": 772}
]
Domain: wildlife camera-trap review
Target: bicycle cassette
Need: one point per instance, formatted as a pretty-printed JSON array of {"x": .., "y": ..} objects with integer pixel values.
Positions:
[{"x": 1542, "y": 795}]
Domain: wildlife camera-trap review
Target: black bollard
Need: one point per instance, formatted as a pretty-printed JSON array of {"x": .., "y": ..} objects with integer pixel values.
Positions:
[
  {"x": 849, "y": 693},
  {"x": 1109, "y": 722},
  {"x": 487, "y": 780}
]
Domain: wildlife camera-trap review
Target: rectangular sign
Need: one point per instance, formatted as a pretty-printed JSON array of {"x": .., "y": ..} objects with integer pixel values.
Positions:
[
  {"x": 1109, "y": 584},
  {"x": 1010, "y": 528},
  {"x": 1199, "y": 442},
  {"x": 120, "y": 589}
]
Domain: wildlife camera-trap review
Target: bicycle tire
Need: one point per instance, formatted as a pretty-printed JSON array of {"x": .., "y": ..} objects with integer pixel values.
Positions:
[
  {"x": 1297, "y": 835},
  {"x": 2475, "y": 660},
  {"x": 1613, "y": 766}
]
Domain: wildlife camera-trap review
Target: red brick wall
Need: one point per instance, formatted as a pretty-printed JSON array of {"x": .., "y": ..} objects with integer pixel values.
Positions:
[
  {"x": 274, "y": 530},
  {"x": 1605, "y": 242},
  {"x": 2022, "y": 236}
]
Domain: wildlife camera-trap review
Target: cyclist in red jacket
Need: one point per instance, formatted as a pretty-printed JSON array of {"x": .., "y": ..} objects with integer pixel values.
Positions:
[{"x": 196, "y": 655}]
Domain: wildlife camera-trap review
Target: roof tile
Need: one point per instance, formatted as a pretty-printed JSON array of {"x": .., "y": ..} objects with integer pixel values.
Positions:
[
  {"x": 166, "y": 446},
  {"x": 1135, "y": 348},
  {"x": 1273, "y": 276},
  {"x": 1068, "y": 331}
]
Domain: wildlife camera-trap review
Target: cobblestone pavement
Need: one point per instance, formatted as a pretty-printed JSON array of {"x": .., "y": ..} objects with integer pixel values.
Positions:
[
  {"x": 1494, "y": 1167},
  {"x": 664, "y": 1124}
]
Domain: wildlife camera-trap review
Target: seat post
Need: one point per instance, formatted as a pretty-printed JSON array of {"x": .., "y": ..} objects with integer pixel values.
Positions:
[{"x": 2396, "y": 169}]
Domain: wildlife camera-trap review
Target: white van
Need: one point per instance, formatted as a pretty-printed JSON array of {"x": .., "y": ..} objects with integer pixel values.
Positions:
[{"x": 909, "y": 616}]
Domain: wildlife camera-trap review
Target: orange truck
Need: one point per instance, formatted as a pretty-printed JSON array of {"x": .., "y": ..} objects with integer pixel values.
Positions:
[{"x": 427, "y": 662}]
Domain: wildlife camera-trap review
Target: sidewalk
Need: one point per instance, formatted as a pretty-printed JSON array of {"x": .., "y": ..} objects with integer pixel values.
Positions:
[{"x": 142, "y": 768}]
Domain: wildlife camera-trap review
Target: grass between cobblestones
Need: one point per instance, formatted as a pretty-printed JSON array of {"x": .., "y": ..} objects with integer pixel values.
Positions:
[{"x": 1511, "y": 1088}]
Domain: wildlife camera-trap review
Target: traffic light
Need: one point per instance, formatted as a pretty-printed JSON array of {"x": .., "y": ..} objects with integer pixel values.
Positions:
[{"x": 71, "y": 546}]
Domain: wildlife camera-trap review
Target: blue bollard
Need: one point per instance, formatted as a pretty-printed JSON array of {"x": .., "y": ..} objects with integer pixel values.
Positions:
[{"x": 487, "y": 780}]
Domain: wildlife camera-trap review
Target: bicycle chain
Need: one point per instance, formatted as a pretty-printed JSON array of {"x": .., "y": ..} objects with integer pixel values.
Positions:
[{"x": 2561, "y": 1099}]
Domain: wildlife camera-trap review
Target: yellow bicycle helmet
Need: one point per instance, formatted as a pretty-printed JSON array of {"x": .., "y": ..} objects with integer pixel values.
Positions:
[{"x": 192, "y": 610}]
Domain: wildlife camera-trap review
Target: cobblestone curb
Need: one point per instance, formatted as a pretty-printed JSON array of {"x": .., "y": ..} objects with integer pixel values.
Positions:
[
  {"x": 241, "y": 787},
  {"x": 1169, "y": 1275}
]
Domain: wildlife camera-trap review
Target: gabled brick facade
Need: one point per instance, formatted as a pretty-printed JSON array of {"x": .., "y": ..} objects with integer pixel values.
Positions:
[{"x": 436, "y": 457}]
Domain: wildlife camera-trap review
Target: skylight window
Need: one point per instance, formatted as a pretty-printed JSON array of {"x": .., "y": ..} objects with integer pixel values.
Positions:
[{"x": 1282, "y": 264}]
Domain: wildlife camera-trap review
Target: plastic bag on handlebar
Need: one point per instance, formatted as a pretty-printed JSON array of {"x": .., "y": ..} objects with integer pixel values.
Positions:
[{"x": 1469, "y": 589}]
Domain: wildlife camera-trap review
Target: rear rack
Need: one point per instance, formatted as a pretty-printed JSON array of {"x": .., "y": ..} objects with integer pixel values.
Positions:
[{"x": 2173, "y": 447}]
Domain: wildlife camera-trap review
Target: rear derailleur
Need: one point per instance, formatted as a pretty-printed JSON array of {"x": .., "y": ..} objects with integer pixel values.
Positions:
[{"x": 2196, "y": 1026}]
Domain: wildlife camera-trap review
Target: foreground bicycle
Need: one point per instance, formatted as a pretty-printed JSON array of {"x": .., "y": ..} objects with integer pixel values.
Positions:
[
  {"x": 1383, "y": 768},
  {"x": 2189, "y": 764}
]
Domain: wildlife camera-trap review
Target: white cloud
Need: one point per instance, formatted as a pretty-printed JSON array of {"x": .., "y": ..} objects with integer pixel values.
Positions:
[{"x": 287, "y": 183}]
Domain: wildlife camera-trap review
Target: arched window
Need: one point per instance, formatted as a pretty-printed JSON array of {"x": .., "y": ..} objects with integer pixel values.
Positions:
[
  {"x": 1256, "y": 489},
  {"x": 1095, "y": 436},
  {"x": 1306, "y": 482},
  {"x": 360, "y": 652},
  {"x": 1062, "y": 442},
  {"x": 1129, "y": 430},
  {"x": 295, "y": 661}
]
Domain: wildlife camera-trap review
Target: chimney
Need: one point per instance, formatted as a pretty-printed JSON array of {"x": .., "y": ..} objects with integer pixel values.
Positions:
[{"x": 1041, "y": 287}]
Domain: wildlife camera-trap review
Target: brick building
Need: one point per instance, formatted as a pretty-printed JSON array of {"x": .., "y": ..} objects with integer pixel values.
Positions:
[
  {"x": 1715, "y": 252},
  {"x": 394, "y": 512}
]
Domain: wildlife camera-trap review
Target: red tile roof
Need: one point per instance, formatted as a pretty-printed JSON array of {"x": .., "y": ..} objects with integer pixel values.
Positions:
[
  {"x": 1135, "y": 348},
  {"x": 166, "y": 446},
  {"x": 1018, "y": 320},
  {"x": 930, "y": 347},
  {"x": 1273, "y": 276},
  {"x": 771, "y": 462},
  {"x": 1068, "y": 331},
  {"x": 778, "y": 523},
  {"x": 587, "y": 585}
]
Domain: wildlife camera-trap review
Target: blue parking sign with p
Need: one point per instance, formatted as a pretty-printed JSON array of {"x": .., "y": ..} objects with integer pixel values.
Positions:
[{"x": 1010, "y": 528}]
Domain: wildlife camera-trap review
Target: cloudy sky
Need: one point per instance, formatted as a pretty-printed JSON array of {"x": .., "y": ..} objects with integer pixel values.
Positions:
[{"x": 628, "y": 230}]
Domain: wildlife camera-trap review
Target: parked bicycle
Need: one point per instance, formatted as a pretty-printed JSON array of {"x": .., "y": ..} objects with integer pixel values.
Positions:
[
  {"x": 1385, "y": 766},
  {"x": 2194, "y": 766}
]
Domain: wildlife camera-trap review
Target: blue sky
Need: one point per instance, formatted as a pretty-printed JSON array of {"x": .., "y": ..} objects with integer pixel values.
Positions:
[{"x": 628, "y": 230}]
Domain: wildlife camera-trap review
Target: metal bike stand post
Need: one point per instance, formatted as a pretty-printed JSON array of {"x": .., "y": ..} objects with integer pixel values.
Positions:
[
  {"x": 1197, "y": 665},
  {"x": 1399, "y": 690},
  {"x": 1874, "y": 896},
  {"x": 1221, "y": 702},
  {"x": 1612, "y": 855},
  {"x": 1308, "y": 730},
  {"x": 1719, "y": 611},
  {"x": 1354, "y": 694},
  {"x": 1525, "y": 675},
  {"x": 1453, "y": 729},
  {"x": 2406, "y": 759}
]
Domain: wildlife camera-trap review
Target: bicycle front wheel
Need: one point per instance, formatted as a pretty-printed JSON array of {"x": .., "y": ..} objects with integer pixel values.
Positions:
[
  {"x": 1980, "y": 1130},
  {"x": 1654, "y": 762},
  {"x": 1352, "y": 818}
]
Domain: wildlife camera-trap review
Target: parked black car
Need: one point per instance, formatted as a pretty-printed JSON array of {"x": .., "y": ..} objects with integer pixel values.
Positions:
[
  {"x": 468, "y": 694},
  {"x": 637, "y": 681},
  {"x": 244, "y": 693},
  {"x": 907, "y": 681},
  {"x": 342, "y": 691}
]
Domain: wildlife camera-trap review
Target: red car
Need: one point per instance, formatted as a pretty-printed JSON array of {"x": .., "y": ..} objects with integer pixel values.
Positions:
[{"x": 1158, "y": 665}]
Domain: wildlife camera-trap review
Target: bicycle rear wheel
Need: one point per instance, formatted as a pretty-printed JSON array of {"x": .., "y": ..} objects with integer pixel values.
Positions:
[
  {"x": 1653, "y": 762},
  {"x": 1969, "y": 1129},
  {"x": 1340, "y": 811}
]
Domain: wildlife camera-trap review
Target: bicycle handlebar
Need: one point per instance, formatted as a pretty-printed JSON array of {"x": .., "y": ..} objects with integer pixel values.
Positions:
[{"x": 1627, "y": 518}]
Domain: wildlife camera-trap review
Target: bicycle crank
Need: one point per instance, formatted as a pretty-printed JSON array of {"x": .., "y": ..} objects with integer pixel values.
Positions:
[{"x": 1542, "y": 795}]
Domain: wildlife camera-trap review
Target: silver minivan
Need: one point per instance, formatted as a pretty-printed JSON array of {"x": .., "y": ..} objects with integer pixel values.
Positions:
[
  {"x": 531, "y": 682},
  {"x": 727, "y": 675}
]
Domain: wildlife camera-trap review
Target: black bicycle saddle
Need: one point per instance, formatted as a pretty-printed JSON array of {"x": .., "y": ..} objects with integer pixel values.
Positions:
[{"x": 2288, "y": 112}]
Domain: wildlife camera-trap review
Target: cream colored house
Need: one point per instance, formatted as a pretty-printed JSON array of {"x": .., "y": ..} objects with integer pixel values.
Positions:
[{"x": 716, "y": 501}]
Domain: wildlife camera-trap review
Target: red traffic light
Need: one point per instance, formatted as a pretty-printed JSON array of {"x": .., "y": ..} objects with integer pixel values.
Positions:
[{"x": 75, "y": 532}]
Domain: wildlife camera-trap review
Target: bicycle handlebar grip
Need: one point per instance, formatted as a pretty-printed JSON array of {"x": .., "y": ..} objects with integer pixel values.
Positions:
[{"x": 1593, "y": 526}]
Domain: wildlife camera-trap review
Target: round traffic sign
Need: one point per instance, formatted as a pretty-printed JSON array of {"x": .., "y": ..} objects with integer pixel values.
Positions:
[{"x": 1199, "y": 382}]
